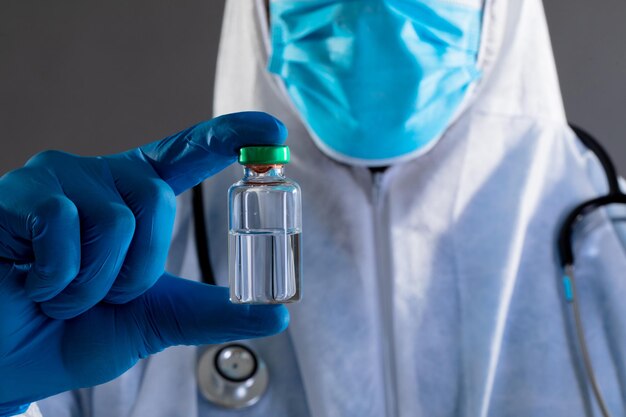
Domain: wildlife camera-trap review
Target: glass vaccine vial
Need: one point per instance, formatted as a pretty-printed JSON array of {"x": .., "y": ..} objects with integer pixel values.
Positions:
[{"x": 265, "y": 223}]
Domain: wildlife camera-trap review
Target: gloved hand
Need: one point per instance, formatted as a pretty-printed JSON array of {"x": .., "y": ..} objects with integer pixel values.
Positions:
[{"x": 83, "y": 244}]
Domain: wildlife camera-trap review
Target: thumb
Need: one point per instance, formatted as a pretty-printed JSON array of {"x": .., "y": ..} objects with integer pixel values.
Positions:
[
  {"x": 188, "y": 157},
  {"x": 177, "y": 311},
  {"x": 108, "y": 339}
]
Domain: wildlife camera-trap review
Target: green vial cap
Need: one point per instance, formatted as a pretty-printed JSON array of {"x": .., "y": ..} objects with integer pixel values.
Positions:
[{"x": 264, "y": 155}]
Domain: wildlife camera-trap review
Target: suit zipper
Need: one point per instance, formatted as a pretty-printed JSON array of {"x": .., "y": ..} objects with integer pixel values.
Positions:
[{"x": 384, "y": 281}]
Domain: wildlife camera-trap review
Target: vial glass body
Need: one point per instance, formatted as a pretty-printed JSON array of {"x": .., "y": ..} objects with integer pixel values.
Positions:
[{"x": 265, "y": 224}]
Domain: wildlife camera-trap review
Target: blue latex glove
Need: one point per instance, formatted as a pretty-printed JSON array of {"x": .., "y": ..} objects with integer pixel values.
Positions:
[{"x": 83, "y": 244}]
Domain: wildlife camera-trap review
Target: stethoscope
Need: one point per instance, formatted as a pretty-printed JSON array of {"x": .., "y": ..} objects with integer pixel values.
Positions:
[
  {"x": 234, "y": 376},
  {"x": 566, "y": 253}
]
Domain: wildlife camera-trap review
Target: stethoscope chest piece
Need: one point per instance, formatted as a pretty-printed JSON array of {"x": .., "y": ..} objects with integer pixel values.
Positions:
[{"x": 232, "y": 376}]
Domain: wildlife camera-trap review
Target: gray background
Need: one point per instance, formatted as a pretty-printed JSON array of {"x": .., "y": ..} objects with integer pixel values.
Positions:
[{"x": 100, "y": 76}]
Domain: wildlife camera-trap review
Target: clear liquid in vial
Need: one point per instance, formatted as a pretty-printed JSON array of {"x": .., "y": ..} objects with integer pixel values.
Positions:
[{"x": 264, "y": 266}]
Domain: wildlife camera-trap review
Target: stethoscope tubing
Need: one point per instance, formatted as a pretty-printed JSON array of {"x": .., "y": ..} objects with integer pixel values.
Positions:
[{"x": 567, "y": 257}]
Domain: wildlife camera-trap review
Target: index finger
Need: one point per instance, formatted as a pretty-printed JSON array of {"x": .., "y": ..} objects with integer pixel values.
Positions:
[{"x": 189, "y": 157}]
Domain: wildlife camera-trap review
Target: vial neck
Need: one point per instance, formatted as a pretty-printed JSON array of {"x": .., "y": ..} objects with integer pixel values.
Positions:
[{"x": 260, "y": 172}]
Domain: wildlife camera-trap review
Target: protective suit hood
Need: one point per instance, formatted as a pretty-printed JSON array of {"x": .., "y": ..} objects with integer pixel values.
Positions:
[{"x": 515, "y": 58}]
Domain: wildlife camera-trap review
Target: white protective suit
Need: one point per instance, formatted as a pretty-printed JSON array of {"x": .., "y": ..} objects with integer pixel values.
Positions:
[{"x": 432, "y": 289}]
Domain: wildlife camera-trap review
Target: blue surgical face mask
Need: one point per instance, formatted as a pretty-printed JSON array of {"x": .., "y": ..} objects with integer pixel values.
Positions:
[{"x": 376, "y": 81}]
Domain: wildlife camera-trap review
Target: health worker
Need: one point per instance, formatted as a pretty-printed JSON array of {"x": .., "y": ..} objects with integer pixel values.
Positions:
[{"x": 436, "y": 166}]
